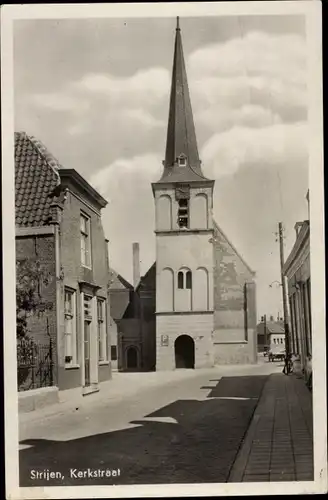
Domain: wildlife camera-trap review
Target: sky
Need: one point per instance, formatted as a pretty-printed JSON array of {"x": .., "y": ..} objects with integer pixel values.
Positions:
[{"x": 96, "y": 93}]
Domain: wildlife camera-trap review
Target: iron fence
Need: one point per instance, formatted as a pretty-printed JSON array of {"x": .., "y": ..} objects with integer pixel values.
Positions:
[{"x": 35, "y": 365}]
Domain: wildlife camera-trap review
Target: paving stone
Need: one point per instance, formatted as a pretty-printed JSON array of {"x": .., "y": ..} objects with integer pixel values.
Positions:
[{"x": 283, "y": 441}]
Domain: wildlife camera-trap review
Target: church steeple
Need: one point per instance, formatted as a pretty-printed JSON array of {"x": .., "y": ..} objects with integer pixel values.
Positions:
[{"x": 182, "y": 161}]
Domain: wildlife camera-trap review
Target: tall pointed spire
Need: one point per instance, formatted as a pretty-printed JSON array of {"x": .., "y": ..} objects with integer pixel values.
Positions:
[{"x": 181, "y": 140}]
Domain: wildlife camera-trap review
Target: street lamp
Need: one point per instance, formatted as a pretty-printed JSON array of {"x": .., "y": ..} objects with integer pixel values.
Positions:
[{"x": 278, "y": 284}]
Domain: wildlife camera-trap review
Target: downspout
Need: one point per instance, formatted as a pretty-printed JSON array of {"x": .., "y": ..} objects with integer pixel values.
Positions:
[{"x": 56, "y": 217}]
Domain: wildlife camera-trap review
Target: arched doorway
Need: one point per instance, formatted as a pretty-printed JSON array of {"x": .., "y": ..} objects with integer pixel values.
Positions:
[
  {"x": 184, "y": 349},
  {"x": 132, "y": 358}
]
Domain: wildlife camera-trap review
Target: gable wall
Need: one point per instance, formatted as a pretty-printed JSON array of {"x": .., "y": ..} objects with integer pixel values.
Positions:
[{"x": 234, "y": 306}]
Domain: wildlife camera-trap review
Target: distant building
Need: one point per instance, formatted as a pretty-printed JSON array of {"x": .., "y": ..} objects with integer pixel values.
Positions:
[
  {"x": 58, "y": 223},
  {"x": 133, "y": 313},
  {"x": 298, "y": 273},
  {"x": 270, "y": 332},
  {"x": 120, "y": 293}
]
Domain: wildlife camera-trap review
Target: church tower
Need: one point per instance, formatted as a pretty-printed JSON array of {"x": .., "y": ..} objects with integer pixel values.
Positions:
[{"x": 184, "y": 235}]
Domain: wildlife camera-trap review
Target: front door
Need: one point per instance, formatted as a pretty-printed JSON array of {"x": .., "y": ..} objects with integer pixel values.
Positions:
[
  {"x": 87, "y": 353},
  {"x": 132, "y": 358},
  {"x": 184, "y": 348}
]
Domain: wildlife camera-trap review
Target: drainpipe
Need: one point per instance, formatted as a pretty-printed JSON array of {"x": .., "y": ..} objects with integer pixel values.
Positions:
[
  {"x": 137, "y": 296},
  {"x": 56, "y": 217}
]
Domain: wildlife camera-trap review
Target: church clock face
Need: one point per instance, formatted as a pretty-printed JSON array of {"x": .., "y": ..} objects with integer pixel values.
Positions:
[{"x": 182, "y": 192}]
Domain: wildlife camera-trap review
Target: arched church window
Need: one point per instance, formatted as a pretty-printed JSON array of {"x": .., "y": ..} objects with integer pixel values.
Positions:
[
  {"x": 188, "y": 280},
  {"x": 180, "y": 280}
]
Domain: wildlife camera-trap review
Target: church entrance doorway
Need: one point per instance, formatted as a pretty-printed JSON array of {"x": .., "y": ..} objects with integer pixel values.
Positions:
[
  {"x": 184, "y": 348},
  {"x": 132, "y": 358}
]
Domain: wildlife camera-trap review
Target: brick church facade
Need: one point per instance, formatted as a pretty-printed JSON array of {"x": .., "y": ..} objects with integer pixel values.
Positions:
[{"x": 202, "y": 295}]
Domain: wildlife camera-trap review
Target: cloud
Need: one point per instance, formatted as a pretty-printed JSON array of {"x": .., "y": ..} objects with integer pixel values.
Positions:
[
  {"x": 128, "y": 174},
  {"x": 143, "y": 117},
  {"x": 130, "y": 102},
  {"x": 256, "y": 53},
  {"x": 249, "y": 98},
  {"x": 145, "y": 87},
  {"x": 279, "y": 144},
  {"x": 218, "y": 118},
  {"x": 60, "y": 101},
  {"x": 258, "y": 69},
  {"x": 129, "y": 216}
]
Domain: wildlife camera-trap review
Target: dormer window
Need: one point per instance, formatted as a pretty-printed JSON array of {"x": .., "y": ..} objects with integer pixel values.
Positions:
[{"x": 182, "y": 160}]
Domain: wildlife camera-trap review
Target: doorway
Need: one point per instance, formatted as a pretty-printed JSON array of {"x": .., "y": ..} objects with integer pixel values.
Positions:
[
  {"x": 86, "y": 353},
  {"x": 184, "y": 349},
  {"x": 132, "y": 358}
]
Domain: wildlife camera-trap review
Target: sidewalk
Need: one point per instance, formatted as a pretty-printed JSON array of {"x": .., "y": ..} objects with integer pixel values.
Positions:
[{"x": 279, "y": 443}]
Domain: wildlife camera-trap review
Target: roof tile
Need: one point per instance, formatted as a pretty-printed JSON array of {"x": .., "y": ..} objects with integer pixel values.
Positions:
[{"x": 35, "y": 180}]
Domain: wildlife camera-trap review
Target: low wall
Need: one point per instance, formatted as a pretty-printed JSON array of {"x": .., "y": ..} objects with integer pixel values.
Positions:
[
  {"x": 37, "y": 398},
  {"x": 234, "y": 351}
]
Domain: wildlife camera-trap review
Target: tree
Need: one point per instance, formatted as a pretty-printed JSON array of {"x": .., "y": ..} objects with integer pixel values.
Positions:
[{"x": 31, "y": 276}]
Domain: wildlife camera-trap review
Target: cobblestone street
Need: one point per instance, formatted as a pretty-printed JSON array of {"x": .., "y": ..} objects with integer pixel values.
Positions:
[{"x": 226, "y": 424}]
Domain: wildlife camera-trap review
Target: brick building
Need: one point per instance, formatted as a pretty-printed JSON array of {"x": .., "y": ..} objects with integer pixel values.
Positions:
[
  {"x": 196, "y": 306},
  {"x": 270, "y": 332},
  {"x": 58, "y": 222},
  {"x": 133, "y": 311},
  {"x": 298, "y": 273},
  {"x": 205, "y": 292}
]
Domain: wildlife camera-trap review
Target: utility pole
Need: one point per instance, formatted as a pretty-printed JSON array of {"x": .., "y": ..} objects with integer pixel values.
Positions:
[
  {"x": 265, "y": 331},
  {"x": 283, "y": 286}
]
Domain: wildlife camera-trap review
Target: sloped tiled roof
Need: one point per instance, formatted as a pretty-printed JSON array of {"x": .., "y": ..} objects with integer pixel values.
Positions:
[
  {"x": 36, "y": 177},
  {"x": 148, "y": 281},
  {"x": 273, "y": 327},
  {"x": 118, "y": 282}
]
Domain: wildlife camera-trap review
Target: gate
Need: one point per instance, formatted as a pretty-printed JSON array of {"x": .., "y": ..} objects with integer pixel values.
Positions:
[{"x": 34, "y": 364}]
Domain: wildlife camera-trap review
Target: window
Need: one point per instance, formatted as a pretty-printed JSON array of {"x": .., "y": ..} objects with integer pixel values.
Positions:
[
  {"x": 183, "y": 213},
  {"x": 102, "y": 330},
  {"x": 85, "y": 240},
  {"x": 188, "y": 280},
  {"x": 113, "y": 353},
  {"x": 70, "y": 327},
  {"x": 180, "y": 279},
  {"x": 294, "y": 307},
  {"x": 182, "y": 160},
  {"x": 184, "y": 280},
  {"x": 87, "y": 308}
]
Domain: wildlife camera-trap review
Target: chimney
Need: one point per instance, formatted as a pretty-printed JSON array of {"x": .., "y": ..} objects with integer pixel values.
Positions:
[
  {"x": 308, "y": 202},
  {"x": 136, "y": 264}
]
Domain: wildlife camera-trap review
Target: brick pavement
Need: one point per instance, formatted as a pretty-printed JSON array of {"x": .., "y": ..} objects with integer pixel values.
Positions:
[
  {"x": 186, "y": 432},
  {"x": 279, "y": 442}
]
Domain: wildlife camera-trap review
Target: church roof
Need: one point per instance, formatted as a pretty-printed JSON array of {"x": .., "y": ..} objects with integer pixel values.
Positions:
[{"x": 181, "y": 136}]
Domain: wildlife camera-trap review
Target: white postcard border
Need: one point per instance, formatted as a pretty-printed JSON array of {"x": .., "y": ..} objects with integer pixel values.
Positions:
[{"x": 312, "y": 11}]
